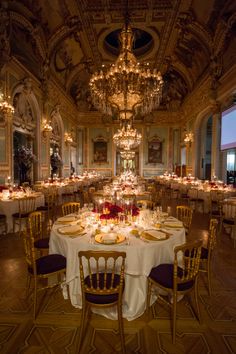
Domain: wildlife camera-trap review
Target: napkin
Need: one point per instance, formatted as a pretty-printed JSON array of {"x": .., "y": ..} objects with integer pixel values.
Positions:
[
  {"x": 67, "y": 218},
  {"x": 155, "y": 234},
  {"x": 177, "y": 224},
  {"x": 109, "y": 238},
  {"x": 70, "y": 229}
]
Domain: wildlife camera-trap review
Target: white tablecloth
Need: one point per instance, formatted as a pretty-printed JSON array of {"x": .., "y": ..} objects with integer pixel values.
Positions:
[
  {"x": 141, "y": 258},
  {"x": 11, "y": 206}
]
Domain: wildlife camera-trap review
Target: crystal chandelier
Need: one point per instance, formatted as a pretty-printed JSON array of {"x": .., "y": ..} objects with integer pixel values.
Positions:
[
  {"x": 127, "y": 154},
  {"x": 188, "y": 138},
  {"x": 68, "y": 138},
  {"x": 127, "y": 86},
  {"x": 5, "y": 106},
  {"x": 127, "y": 137},
  {"x": 46, "y": 127}
]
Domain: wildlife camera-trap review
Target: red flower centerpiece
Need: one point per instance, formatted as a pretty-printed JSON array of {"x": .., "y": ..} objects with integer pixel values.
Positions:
[{"x": 110, "y": 211}]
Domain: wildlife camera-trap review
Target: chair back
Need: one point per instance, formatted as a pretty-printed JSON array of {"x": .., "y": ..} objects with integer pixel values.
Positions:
[
  {"x": 29, "y": 250},
  {"x": 35, "y": 222},
  {"x": 184, "y": 214},
  {"x": 186, "y": 262},
  {"x": 102, "y": 272},
  {"x": 212, "y": 234},
  {"x": 70, "y": 208},
  {"x": 26, "y": 205}
]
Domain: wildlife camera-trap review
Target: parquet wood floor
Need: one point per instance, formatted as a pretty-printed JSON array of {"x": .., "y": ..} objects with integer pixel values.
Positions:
[{"x": 56, "y": 329}]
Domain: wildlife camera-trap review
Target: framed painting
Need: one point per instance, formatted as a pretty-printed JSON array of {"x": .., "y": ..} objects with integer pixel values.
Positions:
[
  {"x": 100, "y": 151},
  {"x": 155, "y": 150}
]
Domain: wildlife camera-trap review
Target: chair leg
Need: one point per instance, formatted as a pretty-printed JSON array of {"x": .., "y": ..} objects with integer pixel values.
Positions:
[
  {"x": 149, "y": 289},
  {"x": 28, "y": 284},
  {"x": 209, "y": 277},
  {"x": 82, "y": 325},
  {"x": 174, "y": 308},
  {"x": 121, "y": 328},
  {"x": 196, "y": 296},
  {"x": 35, "y": 297}
]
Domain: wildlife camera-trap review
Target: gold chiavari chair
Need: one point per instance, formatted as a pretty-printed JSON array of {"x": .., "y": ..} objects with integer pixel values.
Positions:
[
  {"x": 102, "y": 285},
  {"x": 68, "y": 194},
  {"x": 42, "y": 268},
  {"x": 35, "y": 222},
  {"x": 50, "y": 207},
  {"x": 70, "y": 208},
  {"x": 195, "y": 200},
  {"x": 207, "y": 252},
  {"x": 26, "y": 206},
  {"x": 184, "y": 214},
  {"x": 3, "y": 222},
  {"x": 178, "y": 278},
  {"x": 229, "y": 222}
]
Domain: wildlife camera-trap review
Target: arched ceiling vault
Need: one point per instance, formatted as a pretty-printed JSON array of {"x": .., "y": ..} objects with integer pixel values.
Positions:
[{"x": 182, "y": 38}]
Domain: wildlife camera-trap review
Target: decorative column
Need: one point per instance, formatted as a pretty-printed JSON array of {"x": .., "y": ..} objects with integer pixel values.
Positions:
[
  {"x": 45, "y": 125},
  {"x": 215, "y": 144}
]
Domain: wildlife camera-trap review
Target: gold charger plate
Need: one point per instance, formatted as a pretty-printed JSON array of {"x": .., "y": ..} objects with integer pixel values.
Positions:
[
  {"x": 147, "y": 236},
  {"x": 119, "y": 239}
]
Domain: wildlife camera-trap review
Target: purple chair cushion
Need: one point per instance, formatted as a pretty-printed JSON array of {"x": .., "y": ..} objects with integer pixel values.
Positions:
[
  {"x": 102, "y": 299},
  {"x": 42, "y": 243},
  {"x": 18, "y": 215},
  {"x": 42, "y": 208},
  {"x": 163, "y": 275},
  {"x": 49, "y": 264},
  {"x": 204, "y": 253},
  {"x": 228, "y": 221}
]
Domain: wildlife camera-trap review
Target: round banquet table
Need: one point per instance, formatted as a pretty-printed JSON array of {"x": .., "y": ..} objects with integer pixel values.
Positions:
[
  {"x": 10, "y": 206},
  {"x": 141, "y": 257}
]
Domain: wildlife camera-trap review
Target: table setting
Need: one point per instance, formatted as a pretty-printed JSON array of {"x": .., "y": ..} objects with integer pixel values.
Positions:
[
  {"x": 146, "y": 238},
  {"x": 9, "y": 202}
]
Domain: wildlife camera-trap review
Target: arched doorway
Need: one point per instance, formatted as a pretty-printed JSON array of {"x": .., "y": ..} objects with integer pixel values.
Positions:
[
  {"x": 26, "y": 123},
  {"x": 56, "y": 146}
]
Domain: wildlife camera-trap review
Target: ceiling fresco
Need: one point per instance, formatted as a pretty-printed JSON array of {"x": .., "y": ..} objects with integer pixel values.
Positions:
[{"x": 183, "y": 39}]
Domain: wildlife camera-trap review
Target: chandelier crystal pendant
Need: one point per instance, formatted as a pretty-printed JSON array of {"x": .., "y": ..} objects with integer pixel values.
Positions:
[
  {"x": 127, "y": 87},
  {"x": 127, "y": 154},
  {"x": 127, "y": 138}
]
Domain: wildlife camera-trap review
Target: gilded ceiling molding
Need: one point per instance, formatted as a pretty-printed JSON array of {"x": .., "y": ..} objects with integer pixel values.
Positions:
[
  {"x": 167, "y": 30},
  {"x": 203, "y": 35},
  {"x": 222, "y": 31},
  {"x": 57, "y": 97},
  {"x": 198, "y": 100},
  {"x": 5, "y": 50},
  {"x": 61, "y": 34},
  {"x": 183, "y": 71},
  {"x": 35, "y": 32}
]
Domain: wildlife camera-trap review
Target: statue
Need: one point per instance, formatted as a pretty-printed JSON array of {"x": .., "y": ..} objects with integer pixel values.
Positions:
[{"x": 56, "y": 162}]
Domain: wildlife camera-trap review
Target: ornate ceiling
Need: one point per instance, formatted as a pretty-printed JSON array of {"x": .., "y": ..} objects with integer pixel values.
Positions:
[{"x": 67, "y": 40}]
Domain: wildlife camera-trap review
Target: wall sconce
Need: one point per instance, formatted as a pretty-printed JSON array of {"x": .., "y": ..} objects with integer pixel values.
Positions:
[
  {"x": 188, "y": 138},
  {"x": 68, "y": 138},
  {"x": 5, "y": 106},
  {"x": 46, "y": 127}
]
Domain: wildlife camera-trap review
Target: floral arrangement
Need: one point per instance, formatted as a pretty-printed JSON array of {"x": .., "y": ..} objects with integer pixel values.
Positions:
[
  {"x": 113, "y": 211},
  {"x": 25, "y": 156}
]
